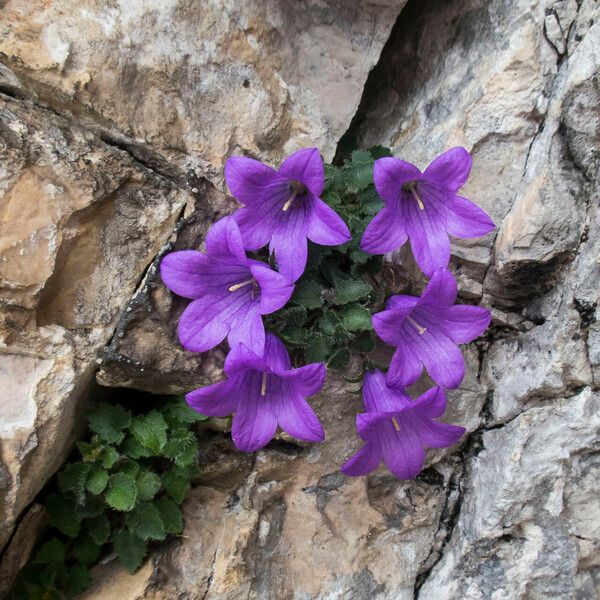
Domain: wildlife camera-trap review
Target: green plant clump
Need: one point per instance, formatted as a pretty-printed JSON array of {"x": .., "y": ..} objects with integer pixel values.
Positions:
[
  {"x": 329, "y": 316},
  {"x": 123, "y": 493}
]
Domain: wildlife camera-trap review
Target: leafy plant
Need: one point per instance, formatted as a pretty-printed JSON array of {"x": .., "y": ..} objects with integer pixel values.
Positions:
[
  {"x": 122, "y": 493},
  {"x": 329, "y": 316}
]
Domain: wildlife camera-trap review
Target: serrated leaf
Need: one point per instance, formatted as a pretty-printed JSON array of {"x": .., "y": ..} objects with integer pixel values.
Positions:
[
  {"x": 148, "y": 484},
  {"x": 121, "y": 493},
  {"x": 177, "y": 412},
  {"x": 72, "y": 478},
  {"x": 292, "y": 316},
  {"x": 294, "y": 336},
  {"x": 339, "y": 360},
  {"x": 364, "y": 342},
  {"x": 51, "y": 552},
  {"x": 108, "y": 422},
  {"x": 109, "y": 457},
  {"x": 177, "y": 483},
  {"x": 145, "y": 521},
  {"x": 132, "y": 448},
  {"x": 130, "y": 549},
  {"x": 351, "y": 290},
  {"x": 355, "y": 317},
  {"x": 98, "y": 528},
  {"x": 63, "y": 514},
  {"x": 182, "y": 447},
  {"x": 150, "y": 430},
  {"x": 85, "y": 549},
  {"x": 92, "y": 506},
  {"x": 170, "y": 515},
  {"x": 379, "y": 152},
  {"x": 79, "y": 580},
  {"x": 96, "y": 480},
  {"x": 55, "y": 575},
  {"x": 318, "y": 348},
  {"x": 308, "y": 294},
  {"x": 130, "y": 468},
  {"x": 90, "y": 452}
]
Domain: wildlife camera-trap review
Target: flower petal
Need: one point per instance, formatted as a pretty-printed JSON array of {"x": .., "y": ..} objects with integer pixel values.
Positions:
[
  {"x": 364, "y": 461},
  {"x": 306, "y": 166},
  {"x": 248, "y": 328},
  {"x": 276, "y": 354},
  {"x": 247, "y": 179},
  {"x": 182, "y": 273},
  {"x": 289, "y": 243},
  {"x": 216, "y": 400},
  {"x": 224, "y": 241},
  {"x": 463, "y": 323},
  {"x": 399, "y": 301},
  {"x": 255, "y": 228},
  {"x": 379, "y": 397},
  {"x": 241, "y": 359},
  {"x": 387, "y": 324},
  {"x": 325, "y": 226},
  {"x": 389, "y": 175},
  {"x": 441, "y": 289},
  {"x": 432, "y": 403},
  {"x": 386, "y": 232},
  {"x": 465, "y": 219},
  {"x": 255, "y": 422},
  {"x": 275, "y": 289},
  {"x": 433, "y": 434},
  {"x": 306, "y": 380},
  {"x": 405, "y": 368},
  {"x": 403, "y": 453},
  {"x": 451, "y": 169}
]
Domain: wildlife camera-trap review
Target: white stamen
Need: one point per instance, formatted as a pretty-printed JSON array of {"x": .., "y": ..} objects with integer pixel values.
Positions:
[
  {"x": 416, "y": 196},
  {"x": 396, "y": 426},
  {"x": 263, "y": 387},
  {"x": 419, "y": 328},
  {"x": 237, "y": 286},
  {"x": 289, "y": 201}
]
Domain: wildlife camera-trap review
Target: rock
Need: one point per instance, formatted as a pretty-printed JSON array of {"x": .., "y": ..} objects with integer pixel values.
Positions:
[
  {"x": 81, "y": 221},
  {"x": 184, "y": 84}
]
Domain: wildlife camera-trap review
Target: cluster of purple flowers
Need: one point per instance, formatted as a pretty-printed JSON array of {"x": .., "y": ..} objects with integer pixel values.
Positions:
[{"x": 230, "y": 292}]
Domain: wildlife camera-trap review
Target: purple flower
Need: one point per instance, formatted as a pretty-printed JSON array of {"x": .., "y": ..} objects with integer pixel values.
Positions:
[
  {"x": 427, "y": 330},
  {"x": 424, "y": 207},
  {"x": 262, "y": 393},
  {"x": 283, "y": 208},
  {"x": 396, "y": 429},
  {"x": 230, "y": 291}
]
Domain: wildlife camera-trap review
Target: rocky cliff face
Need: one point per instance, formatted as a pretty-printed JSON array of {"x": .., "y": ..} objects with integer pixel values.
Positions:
[{"x": 115, "y": 122}]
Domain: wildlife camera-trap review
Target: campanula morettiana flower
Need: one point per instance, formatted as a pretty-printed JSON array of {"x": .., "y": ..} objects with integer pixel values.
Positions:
[
  {"x": 263, "y": 392},
  {"x": 424, "y": 208},
  {"x": 426, "y": 331},
  {"x": 396, "y": 429},
  {"x": 283, "y": 208},
  {"x": 230, "y": 291}
]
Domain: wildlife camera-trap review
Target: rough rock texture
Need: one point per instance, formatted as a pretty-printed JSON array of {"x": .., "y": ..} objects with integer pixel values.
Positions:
[{"x": 510, "y": 513}]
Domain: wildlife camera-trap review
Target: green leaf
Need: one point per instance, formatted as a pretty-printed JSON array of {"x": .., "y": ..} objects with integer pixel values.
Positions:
[
  {"x": 145, "y": 521},
  {"x": 292, "y": 316},
  {"x": 351, "y": 290},
  {"x": 318, "y": 348},
  {"x": 90, "y": 452},
  {"x": 182, "y": 447},
  {"x": 170, "y": 515},
  {"x": 96, "y": 480},
  {"x": 72, "y": 478},
  {"x": 132, "y": 448},
  {"x": 122, "y": 492},
  {"x": 150, "y": 430},
  {"x": 177, "y": 483},
  {"x": 339, "y": 360},
  {"x": 55, "y": 575},
  {"x": 148, "y": 484},
  {"x": 108, "y": 421},
  {"x": 294, "y": 336},
  {"x": 109, "y": 457},
  {"x": 63, "y": 514},
  {"x": 364, "y": 342},
  {"x": 85, "y": 549},
  {"x": 308, "y": 294},
  {"x": 98, "y": 528},
  {"x": 51, "y": 552},
  {"x": 130, "y": 549},
  {"x": 93, "y": 506},
  {"x": 130, "y": 468},
  {"x": 79, "y": 580},
  {"x": 177, "y": 412},
  {"x": 379, "y": 152},
  {"x": 356, "y": 318}
]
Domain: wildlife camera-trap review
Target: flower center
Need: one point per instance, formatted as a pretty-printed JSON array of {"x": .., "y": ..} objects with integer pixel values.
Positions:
[
  {"x": 242, "y": 284},
  {"x": 418, "y": 327},
  {"x": 395, "y": 424},
  {"x": 296, "y": 188},
  {"x": 263, "y": 387},
  {"x": 411, "y": 187}
]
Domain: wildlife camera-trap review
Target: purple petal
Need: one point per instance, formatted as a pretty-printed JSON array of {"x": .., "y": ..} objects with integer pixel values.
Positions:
[
  {"x": 405, "y": 368},
  {"x": 389, "y": 175},
  {"x": 433, "y": 434},
  {"x": 182, "y": 273},
  {"x": 247, "y": 179},
  {"x": 241, "y": 359},
  {"x": 403, "y": 453},
  {"x": 248, "y": 329},
  {"x": 463, "y": 323},
  {"x": 325, "y": 226},
  {"x": 289, "y": 243},
  {"x": 307, "y": 380},
  {"x": 306, "y": 166},
  {"x": 255, "y": 228},
  {"x": 224, "y": 241},
  {"x": 465, "y": 219},
  {"x": 387, "y": 324},
  {"x": 276, "y": 355},
  {"x": 399, "y": 301},
  {"x": 450, "y": 169},
  {"x": 368, "y": 422},
  {"x": 432, "y": 403},
  {"x": 216, "y": 400},
  {"x": 255, "y": 422},
  {"x": 379, "y": 397},
  {"x": 385, "y": 232},
  {"x": 367, "y": 459},
  {"x": 275, "y": 289},
  {"x": 441, "y": 289}
]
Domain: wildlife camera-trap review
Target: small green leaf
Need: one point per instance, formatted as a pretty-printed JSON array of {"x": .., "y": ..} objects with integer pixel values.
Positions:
[
  {"x": 63, "y": 514},
  {"x": 90, "y": 452},
  {"x": 51, "y": 552},
  {"x": 96, "y": 480},
  {"x": 85, "y": 549},
  {"x": 130, "y": 468},
  {"x": 294, "y": 336},
  {"x": 351, "y": 290},
  {"x": 72, "y": 478},
  {"x": 78, "y": 580},
  {"x": 55, "y": 575},
  {"x": 292, "y": 316},
  {"x": 339, "y": 360},
  {"x": 177, "y": 483},
  {"x": 318, "y": 348},
  {"x": 364, "y": 342},
  {"x": 122, "y": 492},
  {"x": 177, "y": 412},
  {"x": 308, "y": 294},
  {"x": 98, "y": 528},
  {"x": 108, "y": 421},
  {"x": 109, "y": 457},
  {"x": 132, "y": 448},
  {"x": 93, "y": 506},
  {"x": 150, "y": 430},
  {"x": 170, "y": 515},
  {"x": 145, "y": 521},
  {"x": 356, "y": 318},
  {"x": 148, "y": 484},
  {"x": 182, "y": 447},
  {"x": 130, "y": 549}
]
